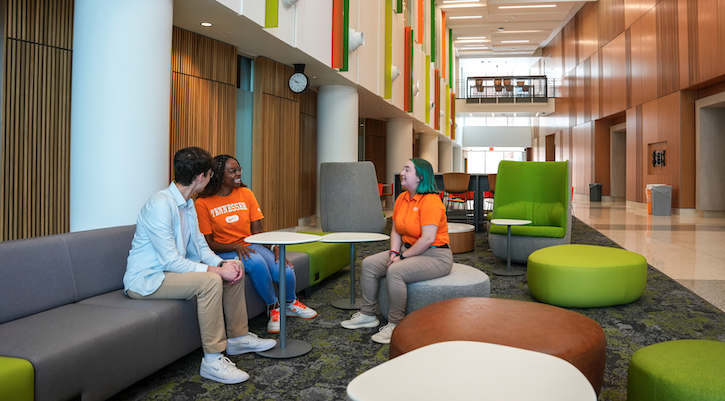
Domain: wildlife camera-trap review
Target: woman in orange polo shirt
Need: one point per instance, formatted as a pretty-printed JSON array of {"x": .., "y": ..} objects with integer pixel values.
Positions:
[
  {"x": 419, "y": 250},
  {"x": 228, "y": 212}
]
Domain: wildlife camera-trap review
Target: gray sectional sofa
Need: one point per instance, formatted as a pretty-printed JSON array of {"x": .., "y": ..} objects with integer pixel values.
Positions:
[{"x": 62, "y": 308}]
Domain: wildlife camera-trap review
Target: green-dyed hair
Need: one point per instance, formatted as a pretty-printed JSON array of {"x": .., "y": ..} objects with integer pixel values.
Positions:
[{"x": 424, "y": 171}]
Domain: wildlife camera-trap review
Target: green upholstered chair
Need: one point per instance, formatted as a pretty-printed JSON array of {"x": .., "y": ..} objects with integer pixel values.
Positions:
[
  {"x": 536, "y": 191},
  {"x": 586, "y": 276},
  {"x": 681, "y": 370},
  {"x": 17, "y": 378},
  {"x": 325, "y": 258}
]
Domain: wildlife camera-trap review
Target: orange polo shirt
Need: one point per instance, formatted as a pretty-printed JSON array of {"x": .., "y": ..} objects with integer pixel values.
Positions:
[
  {"x": 228, "y": 218},
  {"x": 410, "y": 215}
]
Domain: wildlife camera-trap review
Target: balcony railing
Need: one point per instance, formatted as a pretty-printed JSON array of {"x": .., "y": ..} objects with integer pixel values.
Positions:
[{"x": 512, "y": 89}]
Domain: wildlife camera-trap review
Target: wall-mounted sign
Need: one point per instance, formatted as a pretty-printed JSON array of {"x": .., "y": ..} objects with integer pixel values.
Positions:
[{"x": 658, "y": 158}]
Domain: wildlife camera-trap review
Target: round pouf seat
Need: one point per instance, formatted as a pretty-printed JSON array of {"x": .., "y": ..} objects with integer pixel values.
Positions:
[
  {"x": 586, "y": 276},
  {"x": 461, "y": 236},
  {"x": 681, "y": 370},
  {"x": 462, "y": 281},
  {"x": 527, "y": 325}
]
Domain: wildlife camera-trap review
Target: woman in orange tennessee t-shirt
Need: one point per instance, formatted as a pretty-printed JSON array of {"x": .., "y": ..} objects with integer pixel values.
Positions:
[
  {"x": 419, "y": 250},
  {"x": 228, "y": 212}
]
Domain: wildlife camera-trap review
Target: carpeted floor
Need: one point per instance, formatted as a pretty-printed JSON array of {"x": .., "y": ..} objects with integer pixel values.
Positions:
[{"x": 666, "y": 311}]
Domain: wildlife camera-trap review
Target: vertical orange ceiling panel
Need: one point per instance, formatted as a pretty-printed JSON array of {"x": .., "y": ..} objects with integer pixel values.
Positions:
[
  {"x": 338, "y": 22},
  {"x": 443, "y": 44},
  {"x": 421, "y": 12}
]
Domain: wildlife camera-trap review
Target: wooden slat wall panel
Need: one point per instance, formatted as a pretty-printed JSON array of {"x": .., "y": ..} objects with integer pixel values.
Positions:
[
  {"x": 595, "y": 87},
  {"x": 587, "y": 42},
  {"x": 634, "y": 154},
  {"x": 635, "y": 9},
  {"x": 289, "y": 163},
  {"x": 667, "y": 49},
  {"x": 687, "y": 149},
  {"x": 610, "y": 18},
  {"x": 35, "y": 169},
  {"x": 707, "y": 28},
  {"x": 602, "y": 155},
  {"x": 375, "y": 146},
  {"x": 203, "y": 94},
  {"x": 582, "y": 160},
  {"x": 308, "y": 165},
  {"x": 570, "y": 45}
]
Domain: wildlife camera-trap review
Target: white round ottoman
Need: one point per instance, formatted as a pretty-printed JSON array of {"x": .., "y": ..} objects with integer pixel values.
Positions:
[
  {"x": 462, "y": 281},
  {"x": 461, "y": 236}
]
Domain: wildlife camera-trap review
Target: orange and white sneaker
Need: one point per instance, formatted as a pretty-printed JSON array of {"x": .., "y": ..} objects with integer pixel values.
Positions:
[
  {"x": 298, "y": 309},
  {"x": 273, "y": 323}
]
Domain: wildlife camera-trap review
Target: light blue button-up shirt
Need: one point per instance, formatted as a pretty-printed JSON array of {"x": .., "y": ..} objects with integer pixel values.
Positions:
[{"x": 159, "y": 245}]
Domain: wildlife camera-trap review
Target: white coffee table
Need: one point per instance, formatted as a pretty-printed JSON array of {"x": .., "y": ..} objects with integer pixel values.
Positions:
[
  {"x": 470, "y": 370},
  {"x": 352, "y": 238},
  {"x": 509, "y": 223},
  {"x": 284, "y": 348}
]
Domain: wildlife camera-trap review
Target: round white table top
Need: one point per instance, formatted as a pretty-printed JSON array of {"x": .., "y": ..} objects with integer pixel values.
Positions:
[
  {"x": 510, "y": 222},
  {"x": 455, "y": 228},
  {"x": 354, "y": 237},
  {"x": 281, "y": 238},
  {"x": 470, "y": 370}
]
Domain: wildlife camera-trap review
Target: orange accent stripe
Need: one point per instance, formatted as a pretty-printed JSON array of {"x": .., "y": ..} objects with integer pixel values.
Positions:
[
  {"x": 337, "y": 32},
  {"x": 437, "y": 100},
  {"x": 421, "y": 13},
  {"x": 443, "y": 44},
  {"x": 408, "y": 38}
]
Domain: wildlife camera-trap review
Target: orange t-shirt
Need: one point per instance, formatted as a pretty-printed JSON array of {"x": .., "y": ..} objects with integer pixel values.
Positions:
[
  {"x": 228, "y": 218},
  {"x": 410, "y": 215}
]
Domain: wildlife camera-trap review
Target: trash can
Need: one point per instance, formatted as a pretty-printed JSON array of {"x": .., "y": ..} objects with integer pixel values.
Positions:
[
  {"x": 595, "y": 192},
  {"x": 662, "y": 200},
  {"x": 648, "y": 196}
]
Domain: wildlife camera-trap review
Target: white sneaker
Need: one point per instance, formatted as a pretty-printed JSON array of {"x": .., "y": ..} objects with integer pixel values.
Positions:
[
  {"x": 249, "y": 342},
  {"x": 358, "y": 321},
  {"x": 273, "y": 323},
  {"x": 298, "y": 309},
  {"x": 383, "y": 336},
  {"x": 222, "y": 370}
]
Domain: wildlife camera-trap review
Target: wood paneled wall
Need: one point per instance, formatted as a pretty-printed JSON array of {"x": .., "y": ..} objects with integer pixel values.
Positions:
[
  {"x": 285, "y": 146},
  {"x": 645, "y": 60},
  {"x": 203, "y": 94},
  {"x": 375, "y": 146},
  {"x": 35, "y": 169}
]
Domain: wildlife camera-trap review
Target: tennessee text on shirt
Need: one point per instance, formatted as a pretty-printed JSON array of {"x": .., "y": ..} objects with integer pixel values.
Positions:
[{"x": 229, "y": 208}]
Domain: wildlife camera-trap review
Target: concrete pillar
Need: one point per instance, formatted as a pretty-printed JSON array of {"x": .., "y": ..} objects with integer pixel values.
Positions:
[
  {"x": 429, "y": 148},
  {"x": 445, "y": 156},
  {"x": 121, "y": 109},
  {"x": 399, "y": 146},
  {"x": 457, "y": 152},
  {"x": 337, "y": 127}
]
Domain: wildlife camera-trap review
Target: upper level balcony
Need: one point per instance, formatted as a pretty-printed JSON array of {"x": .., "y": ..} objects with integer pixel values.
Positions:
[{"x": 510, "y": 89}]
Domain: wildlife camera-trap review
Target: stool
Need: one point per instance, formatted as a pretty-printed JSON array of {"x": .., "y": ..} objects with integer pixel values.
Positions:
[
  {"x": 461, "y": 236},
  {"x": 586, "y": 276},
  {"x": 527, "y": 325},
  {"x": 462, "y": 281},
  {"x": 17, "y": 379},
  {"x": 680, "y": 370}
]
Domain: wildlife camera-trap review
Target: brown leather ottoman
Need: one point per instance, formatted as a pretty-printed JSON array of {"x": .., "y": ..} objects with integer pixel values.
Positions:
[{"x": 528, "y": 325}]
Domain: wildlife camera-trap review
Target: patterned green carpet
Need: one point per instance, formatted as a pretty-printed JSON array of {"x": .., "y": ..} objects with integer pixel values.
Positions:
[{"x": 666, "y": 311}]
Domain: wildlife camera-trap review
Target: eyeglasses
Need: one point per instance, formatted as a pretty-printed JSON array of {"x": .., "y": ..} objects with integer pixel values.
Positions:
[
  {"x": 211, "y": 173},
  {"x": 236, "y": 170}
]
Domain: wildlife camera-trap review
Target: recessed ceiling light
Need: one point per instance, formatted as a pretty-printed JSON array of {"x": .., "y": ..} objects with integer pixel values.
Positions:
[
  {"x": 470, "y": 37},
  {"x": 460, "y": 1},
  {"x": 515, "y": 41},
  {"x": 206, "y": 24},
  {"x": 531, "y": 6},
  {"x": 474, "y": 48},
  {"x": 467, "y": 17}
]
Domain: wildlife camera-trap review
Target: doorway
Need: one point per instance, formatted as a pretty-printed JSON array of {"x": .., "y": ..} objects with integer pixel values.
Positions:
[
  {"x": 551, "y": 148},
  {"x": 618, "y": 162},
  {"x": 710, "y": 155}
]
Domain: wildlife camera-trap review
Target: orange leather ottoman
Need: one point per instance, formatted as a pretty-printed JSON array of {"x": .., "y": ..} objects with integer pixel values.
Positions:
[{"x": 528, "y": 325}]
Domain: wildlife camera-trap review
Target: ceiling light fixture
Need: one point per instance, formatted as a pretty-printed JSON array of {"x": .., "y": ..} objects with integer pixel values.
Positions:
[
  {"x": 206, "y": 24},
  {"x": 473, "y": 48},
  {"x": 531, "y": 6},
  {"x": 470, "y": 37},
  {"x": 515, "y": 41},
  {"x": 467, "y": 17},
  {"x": 460, "y": 1},
  {"x": 462, "y": 5}
]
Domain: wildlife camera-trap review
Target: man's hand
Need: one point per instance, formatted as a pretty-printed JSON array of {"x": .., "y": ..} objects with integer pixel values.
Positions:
[{"x": 230, "y": 271}]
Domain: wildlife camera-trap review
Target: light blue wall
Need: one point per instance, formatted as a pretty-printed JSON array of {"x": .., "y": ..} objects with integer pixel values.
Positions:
[
  {"x": 494, "y": 137},
  {"x": 245, "y": 108}
]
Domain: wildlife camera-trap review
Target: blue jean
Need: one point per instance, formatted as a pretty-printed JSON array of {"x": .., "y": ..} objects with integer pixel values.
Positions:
[{"x": 263, "y": 270}]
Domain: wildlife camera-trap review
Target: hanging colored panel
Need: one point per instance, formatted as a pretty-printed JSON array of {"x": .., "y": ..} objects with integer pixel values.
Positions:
[
  {"x": 437, "y": 94},
  {"x": 338, "y": 26},
  {"x": 427, "y": 89},
  {"x": 443, "y": 44},
  {"x": 450, "y": 57},
  {"x": 271, "y": 14},
  {"x": 388, "y": 64},
  {"x": 420, "y": 12},
  {"x": 408, "y": 97},
  {"x": 453, "y": 115},
  {"x": 345, "y": 35},
  {"x": 432, "y": 31}
]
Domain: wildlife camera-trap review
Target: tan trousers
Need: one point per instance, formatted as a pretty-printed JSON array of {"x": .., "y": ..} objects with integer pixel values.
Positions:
[
  {"x": 432, "y": 263},
  {"x": 217, "y": 303}
]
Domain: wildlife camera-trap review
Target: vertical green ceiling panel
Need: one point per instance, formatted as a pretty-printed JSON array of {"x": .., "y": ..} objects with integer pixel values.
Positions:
[
  {"x": 388, "y": 64},
  {"x": 432, "y": 31},
  {"x": 271, "y": 14},
  {"x": 345, "y": 35},
  {"x": 450, "y": 58}
]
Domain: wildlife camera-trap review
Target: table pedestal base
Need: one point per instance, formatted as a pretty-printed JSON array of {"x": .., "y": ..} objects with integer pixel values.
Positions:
[
  {"x": 294, "y": 348},
  {"x": 507, "y": 272},
  {"x": 344, "y": 303}
]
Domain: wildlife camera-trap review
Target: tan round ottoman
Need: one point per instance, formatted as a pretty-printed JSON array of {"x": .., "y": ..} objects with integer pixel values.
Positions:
[
  {"x": 528, "y": 325},
  {"x": 461, "y": 236}
]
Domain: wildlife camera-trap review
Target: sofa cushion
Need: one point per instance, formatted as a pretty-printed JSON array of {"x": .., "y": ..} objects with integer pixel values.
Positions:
[
  {"x": 36, "y": 276},
  {"x": 521, "y": 210},
  {"x": 548, "y": 214}
]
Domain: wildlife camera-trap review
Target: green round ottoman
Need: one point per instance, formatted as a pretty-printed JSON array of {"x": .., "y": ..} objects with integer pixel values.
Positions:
[
  {"x": 681, "y": 370},
  {"x": 585, "y": 276}
]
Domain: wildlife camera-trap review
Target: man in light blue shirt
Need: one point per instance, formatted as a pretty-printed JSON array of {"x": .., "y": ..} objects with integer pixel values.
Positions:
[{"x": 170, "y": 259}]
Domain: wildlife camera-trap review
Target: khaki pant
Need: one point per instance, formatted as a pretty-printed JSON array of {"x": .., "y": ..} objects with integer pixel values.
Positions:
[
  {"x": 217, "y": 303},
  {"x": 432, "y": 263}
]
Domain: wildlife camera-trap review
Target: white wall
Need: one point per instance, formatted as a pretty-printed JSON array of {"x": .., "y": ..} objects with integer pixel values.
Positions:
[
  {"x": 313, "y": 26},
  {"x": 505, "y": 137}
]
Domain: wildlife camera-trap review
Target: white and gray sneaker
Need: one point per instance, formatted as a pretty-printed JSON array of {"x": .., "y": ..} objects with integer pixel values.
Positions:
[
  {"x": 383, "y": 336},
  {"x": 222, "y": 370},
  {"x": 359, "y": 320},
  {"x": 249, "y": 342}
]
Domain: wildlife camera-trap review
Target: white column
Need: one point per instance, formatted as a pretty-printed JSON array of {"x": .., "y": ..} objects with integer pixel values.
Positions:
[
  {"x": 457, "y": 152},
  {"x": 399, "y": 149},
  {"x": 445, "y": 156},
  {"x": 429, "y": 149},
  {"x": 337, "y": 127},
  {"x": 121, "y": 107}
]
